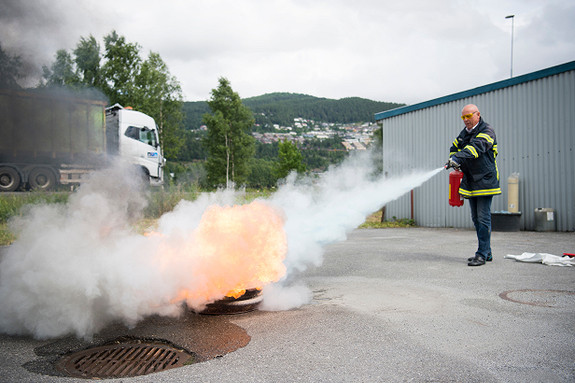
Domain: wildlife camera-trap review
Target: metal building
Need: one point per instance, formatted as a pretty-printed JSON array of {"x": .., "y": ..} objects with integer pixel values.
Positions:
[{"x": 534, "y": 120}]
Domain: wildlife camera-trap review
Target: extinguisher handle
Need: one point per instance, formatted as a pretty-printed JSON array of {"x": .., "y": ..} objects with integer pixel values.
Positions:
[{"x": 452, "y": 164}]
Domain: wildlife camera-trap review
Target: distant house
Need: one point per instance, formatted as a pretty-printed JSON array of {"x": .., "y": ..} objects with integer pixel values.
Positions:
[
  {"x": 534, "y": 119},
  {"x": 348, "y": 146}
]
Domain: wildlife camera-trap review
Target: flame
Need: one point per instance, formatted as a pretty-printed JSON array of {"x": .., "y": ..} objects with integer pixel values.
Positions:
[
  {"x": 236, "y": 293},
  {"x": 234, "y": 248}
]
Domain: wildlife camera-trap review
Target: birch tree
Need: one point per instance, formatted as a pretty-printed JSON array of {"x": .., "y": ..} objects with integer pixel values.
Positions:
[{"x": 228, "y": 142}]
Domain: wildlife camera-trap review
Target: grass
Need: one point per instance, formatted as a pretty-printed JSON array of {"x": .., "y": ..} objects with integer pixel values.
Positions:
[
  {"x": 11, "y": 204},
  {"x": 6, "y": 236},
  {"x": 252, "y": 194},
  {"x": 373, "y": 221},
  {"x": 145, "y": 224},
  {"x": 162, "y": 201}
]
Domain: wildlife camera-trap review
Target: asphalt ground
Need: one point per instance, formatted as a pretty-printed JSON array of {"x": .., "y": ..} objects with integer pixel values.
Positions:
[{"x": 389, "y": 305}]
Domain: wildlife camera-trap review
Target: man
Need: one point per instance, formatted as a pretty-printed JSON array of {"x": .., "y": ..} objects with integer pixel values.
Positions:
[{"x": 474, "y": 152}]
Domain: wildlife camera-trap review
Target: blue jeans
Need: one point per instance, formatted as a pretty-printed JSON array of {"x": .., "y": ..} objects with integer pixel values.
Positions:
[{"x": 481, "y": 216}]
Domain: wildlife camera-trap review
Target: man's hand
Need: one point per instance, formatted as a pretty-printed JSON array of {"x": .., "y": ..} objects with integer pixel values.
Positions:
[{"x": 452, "y": 164}]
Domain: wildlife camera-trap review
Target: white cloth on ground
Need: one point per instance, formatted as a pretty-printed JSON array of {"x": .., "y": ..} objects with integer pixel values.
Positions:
[{"x": 544, "y": 258}]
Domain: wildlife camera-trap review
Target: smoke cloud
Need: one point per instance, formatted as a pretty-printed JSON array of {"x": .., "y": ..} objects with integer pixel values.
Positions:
[
  {"x": 35, "y": 30},
  {"x": 76, "y": 268},
  {"x": 324, "y": 211}
]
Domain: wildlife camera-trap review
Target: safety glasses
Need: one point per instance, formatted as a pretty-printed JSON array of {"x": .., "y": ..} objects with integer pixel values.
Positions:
[{"x": 467, "y": 116}]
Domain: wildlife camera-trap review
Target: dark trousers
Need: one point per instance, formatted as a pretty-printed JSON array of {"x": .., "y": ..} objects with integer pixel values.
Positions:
[{"x": 481, "y": 216}]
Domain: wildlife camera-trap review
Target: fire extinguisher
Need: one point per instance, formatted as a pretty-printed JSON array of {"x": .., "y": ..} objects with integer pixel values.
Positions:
[{"x": 455, "y": 178}]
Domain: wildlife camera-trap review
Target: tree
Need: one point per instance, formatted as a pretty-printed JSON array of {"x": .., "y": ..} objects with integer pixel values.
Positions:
[
  {"x": 61, "y": 72},
  {"x": 10, "y": 70},
  {"x": 262, "y": 173},
  {"x": 192, "y": 149},
  {"x": 122, "y": 65},
  {"x": 159, "y": 94},
  {"x": 290, "y": 159},
  {"x": 87, "y": 61},
  {"x": 228, "y": 142}
]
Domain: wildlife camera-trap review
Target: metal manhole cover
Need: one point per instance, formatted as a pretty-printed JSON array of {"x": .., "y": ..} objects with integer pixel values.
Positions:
[
  {"x": 542, "y": 298},
  {"x": 123, "y": 360}
]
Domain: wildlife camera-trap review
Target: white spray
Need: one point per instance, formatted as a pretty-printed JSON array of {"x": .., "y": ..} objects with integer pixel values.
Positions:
[
  {"x": 325, "y": 211},
  {"x": 76, "y": 268}
]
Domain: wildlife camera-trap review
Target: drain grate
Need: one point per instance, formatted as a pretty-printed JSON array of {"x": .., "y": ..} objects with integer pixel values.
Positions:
[{"x": 123, "y": 360}]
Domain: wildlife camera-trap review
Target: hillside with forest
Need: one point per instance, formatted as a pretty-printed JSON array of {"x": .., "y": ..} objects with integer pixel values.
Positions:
[{"x": 282, "y": 108}]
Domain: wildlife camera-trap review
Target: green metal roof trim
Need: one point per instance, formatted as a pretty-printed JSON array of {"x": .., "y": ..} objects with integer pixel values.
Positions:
[{"x": 475, "y": 91}]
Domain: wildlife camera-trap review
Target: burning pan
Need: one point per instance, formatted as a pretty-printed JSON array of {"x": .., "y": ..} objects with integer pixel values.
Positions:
[{"x": 249, "y": 301}]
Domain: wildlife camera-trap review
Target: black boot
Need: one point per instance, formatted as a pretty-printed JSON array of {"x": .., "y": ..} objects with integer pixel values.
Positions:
[
  {"x": 489, "y": 258},
  {"x": 477, "y": 261}
]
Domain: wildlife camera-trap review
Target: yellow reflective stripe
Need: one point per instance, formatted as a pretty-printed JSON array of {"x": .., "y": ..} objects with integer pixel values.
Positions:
[
  {"x": 451, "y": 153},
  {"x": 471, "y": 150},
  {"x": 455, "y": 144},
  {"x": 495, "y": 150},
  {"x": 479, "y": 193},
  {"x": 486, "y": 136}
]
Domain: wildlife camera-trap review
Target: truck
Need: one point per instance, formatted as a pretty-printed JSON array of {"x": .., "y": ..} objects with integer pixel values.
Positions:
[{"x": 49, "y": 138}]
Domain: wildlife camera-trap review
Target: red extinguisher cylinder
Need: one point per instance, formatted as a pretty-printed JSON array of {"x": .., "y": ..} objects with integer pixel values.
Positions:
[{"x": 455, "y": 178}]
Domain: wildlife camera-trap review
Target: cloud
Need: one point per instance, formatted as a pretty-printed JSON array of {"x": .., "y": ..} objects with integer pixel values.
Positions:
[
  {"x": 408, "y": 51},
  {"x": 550, "y": 33}
]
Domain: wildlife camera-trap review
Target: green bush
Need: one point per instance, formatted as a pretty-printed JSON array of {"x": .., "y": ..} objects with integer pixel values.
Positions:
[{"x": 11, "y": 204}]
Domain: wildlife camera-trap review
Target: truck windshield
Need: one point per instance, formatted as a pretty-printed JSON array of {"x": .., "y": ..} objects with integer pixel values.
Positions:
[{"x": 142, "y": 134}]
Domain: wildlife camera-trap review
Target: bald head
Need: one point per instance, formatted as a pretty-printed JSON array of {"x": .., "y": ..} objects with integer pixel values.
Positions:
[{"x": 469, "y": 108}]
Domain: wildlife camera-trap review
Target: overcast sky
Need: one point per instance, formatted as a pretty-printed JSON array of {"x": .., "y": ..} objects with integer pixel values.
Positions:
[{"x": 405, "y": 51}]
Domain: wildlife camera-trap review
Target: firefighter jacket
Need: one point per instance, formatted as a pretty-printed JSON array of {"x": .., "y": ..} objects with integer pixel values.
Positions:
[{"x": 476, "y": 153}]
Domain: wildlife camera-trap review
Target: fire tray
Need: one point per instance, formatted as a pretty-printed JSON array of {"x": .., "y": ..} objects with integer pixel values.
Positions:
[{"x": 249, "y": 301}]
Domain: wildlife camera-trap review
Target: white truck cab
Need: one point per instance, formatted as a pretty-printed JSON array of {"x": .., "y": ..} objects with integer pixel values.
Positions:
[{"x": 137, "y": 141}]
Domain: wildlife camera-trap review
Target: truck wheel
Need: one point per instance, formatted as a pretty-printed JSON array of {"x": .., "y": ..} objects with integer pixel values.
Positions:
[
  {"x": 144, "y": 176},
  {"x": 9, "y": 179},
  {"x": 42, "y": 178}
]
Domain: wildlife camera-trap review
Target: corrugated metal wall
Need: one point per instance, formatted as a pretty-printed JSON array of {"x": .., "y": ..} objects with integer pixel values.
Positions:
[{"x": 535, "y": 126}]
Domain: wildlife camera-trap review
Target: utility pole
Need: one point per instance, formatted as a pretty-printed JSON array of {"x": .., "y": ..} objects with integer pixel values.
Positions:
[{"x": 512, "y": 17}]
